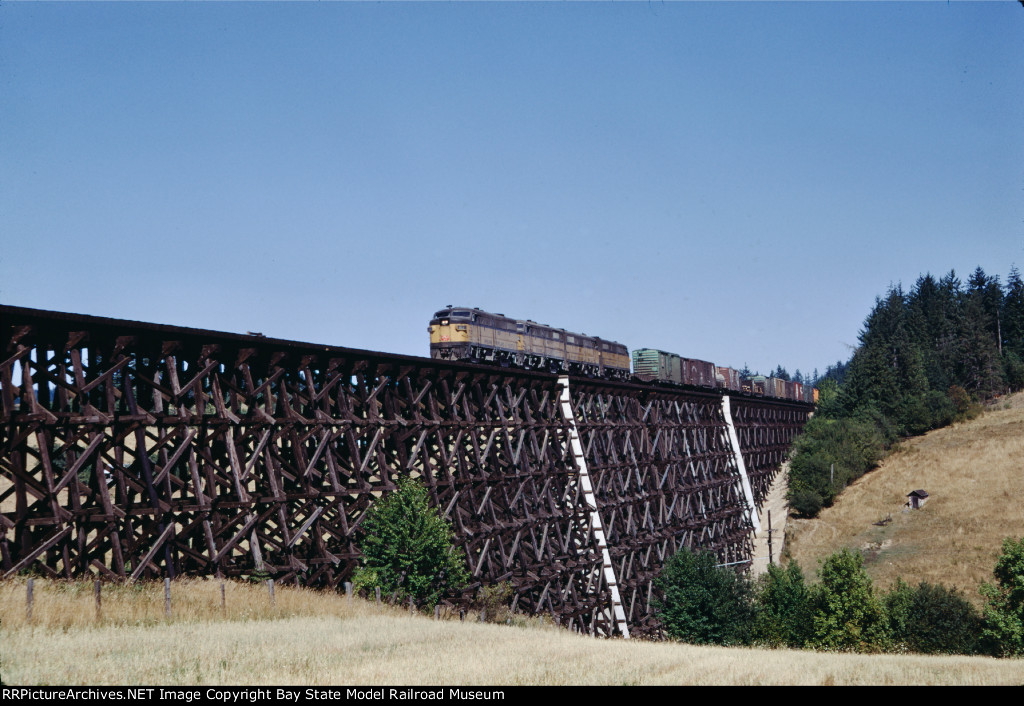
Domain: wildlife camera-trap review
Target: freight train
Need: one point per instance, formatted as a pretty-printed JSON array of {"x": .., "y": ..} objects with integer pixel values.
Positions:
[{"x": 463, "y": 333}]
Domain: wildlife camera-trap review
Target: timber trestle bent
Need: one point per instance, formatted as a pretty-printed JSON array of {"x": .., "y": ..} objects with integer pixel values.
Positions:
[{"x": 135, "y": 450}]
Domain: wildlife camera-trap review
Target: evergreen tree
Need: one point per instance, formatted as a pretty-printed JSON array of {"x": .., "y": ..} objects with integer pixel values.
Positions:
[
  {"x": 888, "y": 366},
  {"x": 930, "y": 324},
  {"x": 988, "y": 294},
  {"x": 978, "y": 364},
  {"x": 1013, "y": 314}
]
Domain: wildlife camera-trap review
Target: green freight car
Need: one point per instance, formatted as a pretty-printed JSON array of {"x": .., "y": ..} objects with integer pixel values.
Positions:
[{"x": 650, "y": 364}]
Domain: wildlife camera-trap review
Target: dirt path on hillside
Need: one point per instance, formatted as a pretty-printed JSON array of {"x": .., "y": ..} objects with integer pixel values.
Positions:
[{"x": 775, "y": 504}]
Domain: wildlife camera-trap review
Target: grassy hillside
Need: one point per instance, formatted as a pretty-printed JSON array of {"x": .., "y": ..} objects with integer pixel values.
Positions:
[
  {"x": 312, "y": 638},
  {"x": 974, "y": 473}
]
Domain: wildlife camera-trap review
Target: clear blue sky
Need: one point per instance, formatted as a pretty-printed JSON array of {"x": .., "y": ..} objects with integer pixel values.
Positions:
[{"x": 730, "y": 181}]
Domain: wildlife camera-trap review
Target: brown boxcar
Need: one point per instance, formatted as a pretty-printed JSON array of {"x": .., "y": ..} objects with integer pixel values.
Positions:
[
  {"x": 699, "y": 373},
  {"x": 731, "y": 378}
]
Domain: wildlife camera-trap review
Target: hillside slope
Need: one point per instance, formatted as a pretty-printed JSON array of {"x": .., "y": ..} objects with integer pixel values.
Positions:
[{"x": 974, "y": 475}]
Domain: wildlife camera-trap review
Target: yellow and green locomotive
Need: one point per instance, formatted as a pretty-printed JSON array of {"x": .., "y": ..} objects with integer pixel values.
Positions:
[{"x": 461, "y": 333}]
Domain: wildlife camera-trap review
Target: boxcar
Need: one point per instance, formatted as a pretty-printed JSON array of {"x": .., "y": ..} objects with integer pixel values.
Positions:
[
  {"x": 699, "y": 373},
  {"x": 775, "y": 387},
  {"x": 651, "y": 364},
  {"x": 730, "y": 378}
]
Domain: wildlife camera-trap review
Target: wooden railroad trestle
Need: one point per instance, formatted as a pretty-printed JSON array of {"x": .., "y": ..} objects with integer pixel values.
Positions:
[{"x": 134, "y": 450}]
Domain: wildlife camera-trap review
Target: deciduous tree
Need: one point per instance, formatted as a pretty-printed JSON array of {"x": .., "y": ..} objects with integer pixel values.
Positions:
[{"x": 407, "y": 548}]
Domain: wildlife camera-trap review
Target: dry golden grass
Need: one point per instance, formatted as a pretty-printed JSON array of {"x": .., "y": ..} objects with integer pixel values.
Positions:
[
  {"x": 313, "y": 638},
  {"x": 320, "y": 638},
  {"x": 974, "y": 474},
  {"x": 65, "y": 605}
]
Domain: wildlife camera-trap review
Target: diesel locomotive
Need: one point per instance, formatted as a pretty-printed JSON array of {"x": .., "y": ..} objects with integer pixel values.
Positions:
[{"x": 462, "y": 333}]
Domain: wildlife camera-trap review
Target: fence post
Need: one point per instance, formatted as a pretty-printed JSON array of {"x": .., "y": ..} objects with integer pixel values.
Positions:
[
  {"x": 348, "y": 591},
  {"x": 270, "y": 587},
  {"x": 29, "y": 598},
  {"x": 377, "y": 591},
  {"x": 99, "y": 601},
  {"x": 167, "y": 598},
  {"x": 223, "y": 602},
  {"x": 437, "y": 612}
]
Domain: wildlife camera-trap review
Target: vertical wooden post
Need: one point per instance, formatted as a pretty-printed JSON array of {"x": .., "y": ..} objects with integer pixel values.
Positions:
[
  {"x": 462, "y": 615},
  {"x": 223, "y": 602},
  {"x": 412, "y": 606},
  {"x": 99, "y": 601},
  {"x": 270, "y": 587},
  {"x": 437, "y": 612},
  {"x": 29, "y": 599},
  {"x": 377, "y": 592},
  {"x": 167, "y": 598},
  {"x": 348, "y": 591}
]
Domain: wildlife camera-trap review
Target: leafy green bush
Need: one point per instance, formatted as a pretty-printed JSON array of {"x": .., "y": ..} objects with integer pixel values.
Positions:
[
  {"x": 407, "y": 548},
  {"x": 494, "y": 600},
  {"x": 704, "y": 603},
  {"x": 806, "y": 503},
  {"x": 1003, "y": 630},
  {"x": 932, "y": 619},
  {"x": 784, "y": 616},
  {"x": 830, "y": 454},
  {"x": 847, "y": 615}
]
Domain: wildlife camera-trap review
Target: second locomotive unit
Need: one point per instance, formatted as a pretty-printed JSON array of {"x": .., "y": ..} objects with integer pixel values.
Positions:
[{"x": 461, "y": 333}]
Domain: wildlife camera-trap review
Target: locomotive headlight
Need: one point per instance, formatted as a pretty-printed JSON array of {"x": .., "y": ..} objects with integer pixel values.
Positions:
[{"x": 445, "y": 322}]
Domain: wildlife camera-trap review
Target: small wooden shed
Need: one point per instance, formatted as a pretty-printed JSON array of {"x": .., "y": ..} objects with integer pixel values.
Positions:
[{"x": 916, "y": 499}]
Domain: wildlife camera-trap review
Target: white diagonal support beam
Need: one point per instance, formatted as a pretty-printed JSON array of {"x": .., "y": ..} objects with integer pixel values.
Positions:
[
  {"x": 591, "y": 502},
  {"x": 734, "y": 441}
]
